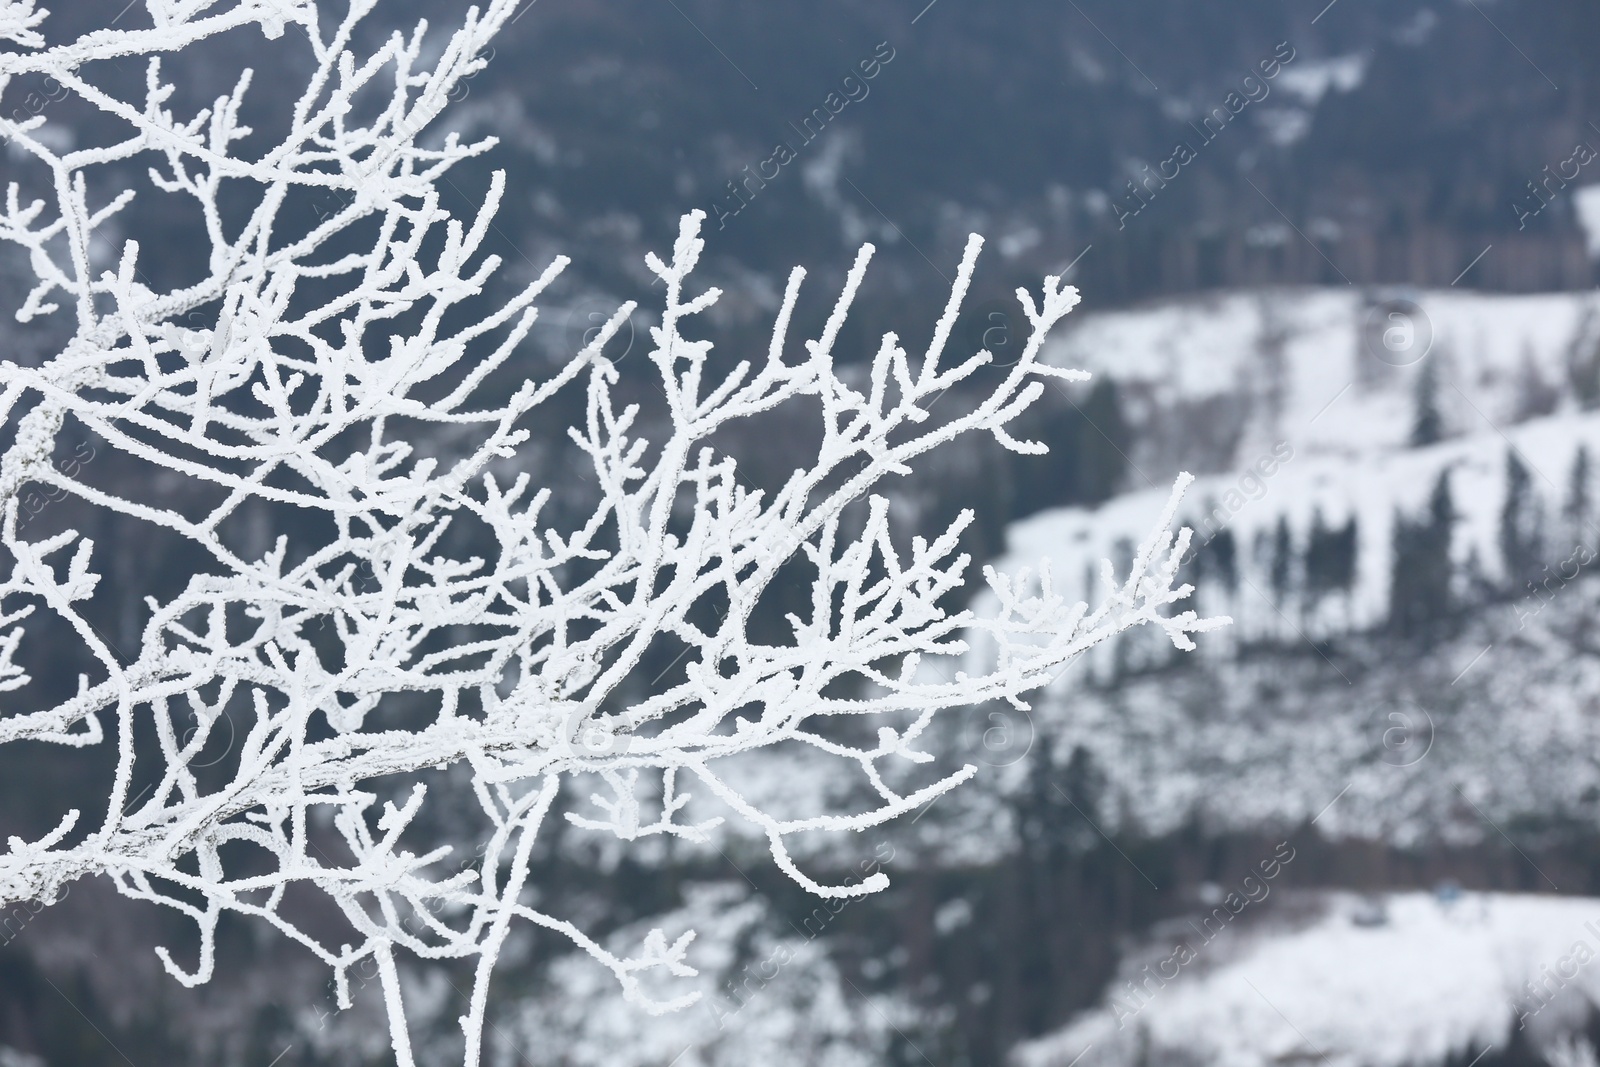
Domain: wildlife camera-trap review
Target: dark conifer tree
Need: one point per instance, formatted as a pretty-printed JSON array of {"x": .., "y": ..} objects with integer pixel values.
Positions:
[
  {"x": 1195, "y": 562},
  {"x": 1583, "y": 362},
  {"x": 1225, "y": 559},
  {"x": 1330, "y": 560},
  {"x": 1282, "y": 574},
  {"x": 1103, "y": 443},
  {"x": 1051, "y": 480},
  {"x": 1089, "y": 442},
  {"x": 1533, "y": 396},
  {"x": 1579, "y": 507},
  {"x": 1521, "y": 534},
  {"x": 1421, "y": 598},
  {"x": 1427, "y": 426}
]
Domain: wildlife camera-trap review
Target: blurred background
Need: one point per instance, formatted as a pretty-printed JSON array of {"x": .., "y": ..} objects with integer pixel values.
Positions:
[{"x": 1337, "y": 259}]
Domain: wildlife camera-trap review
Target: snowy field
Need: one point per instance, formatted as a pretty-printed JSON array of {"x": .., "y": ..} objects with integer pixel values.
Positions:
[{"x": 1407, "y": 979}]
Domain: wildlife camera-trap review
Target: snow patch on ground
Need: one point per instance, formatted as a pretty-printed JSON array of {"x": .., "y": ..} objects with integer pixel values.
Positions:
[
  {"x": 1310, "y": 79},
  {"x": 1434, "y": 980}
]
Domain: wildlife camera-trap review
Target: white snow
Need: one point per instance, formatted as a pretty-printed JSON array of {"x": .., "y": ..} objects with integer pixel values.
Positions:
[
  {"x": 1337, "y": 390},
  {"x": 1229, "y": 385},
  {"x": 1372, "y": 489},
  {"x": 1436, "y": 980},
  {"x": 1310, "y": 79},
  {"x": 1586, "y": 202}
]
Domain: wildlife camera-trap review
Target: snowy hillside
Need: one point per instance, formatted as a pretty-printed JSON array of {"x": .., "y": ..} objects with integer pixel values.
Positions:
[
  {"x": 1407, "y": 979},
  {"x": 1307, "y": 698},
  {"x": 1301, "y": 407},
  {"x": 1291, "y": 706},
  {"x": 1214, "y": 382},
  {"x": 1371, "y": 488}
]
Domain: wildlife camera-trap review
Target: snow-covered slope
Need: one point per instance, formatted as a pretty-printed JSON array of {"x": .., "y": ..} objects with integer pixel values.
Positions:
[
  {"x": 1371, "y": 487},
  {"x": 1430, "y": 980},
  {"x": 1271, "y": 738},
  {"x": 1294, "y": 403},
  {"x": 1302, "y": 700},
  {"x": 1496, "y": 727},
  {"x": 1491, "y": 727},
  {"x": 1213, "y": 382}
]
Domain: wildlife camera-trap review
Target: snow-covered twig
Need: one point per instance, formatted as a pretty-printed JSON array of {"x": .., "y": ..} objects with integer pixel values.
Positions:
[{"x": 299, "y": 389}]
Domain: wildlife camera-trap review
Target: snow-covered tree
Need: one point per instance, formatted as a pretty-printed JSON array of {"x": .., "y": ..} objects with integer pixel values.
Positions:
[{"x": 336, "y": 365}]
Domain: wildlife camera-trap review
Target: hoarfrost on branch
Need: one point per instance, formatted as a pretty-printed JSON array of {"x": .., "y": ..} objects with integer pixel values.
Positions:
[{"x": 240, "y": 386}]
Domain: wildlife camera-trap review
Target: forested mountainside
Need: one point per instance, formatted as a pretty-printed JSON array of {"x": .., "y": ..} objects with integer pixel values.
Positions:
[
  {"x": 1391, "y": 143},
  {"x": 1406, "y": 551}
]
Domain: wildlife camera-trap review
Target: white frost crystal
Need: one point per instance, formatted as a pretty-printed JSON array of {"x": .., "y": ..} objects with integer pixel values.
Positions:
[{"x": 234, "y": 386}]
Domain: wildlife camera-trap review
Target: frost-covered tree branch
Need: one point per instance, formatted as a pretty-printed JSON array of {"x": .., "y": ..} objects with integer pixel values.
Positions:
[{"x": 303, "y": 371}]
